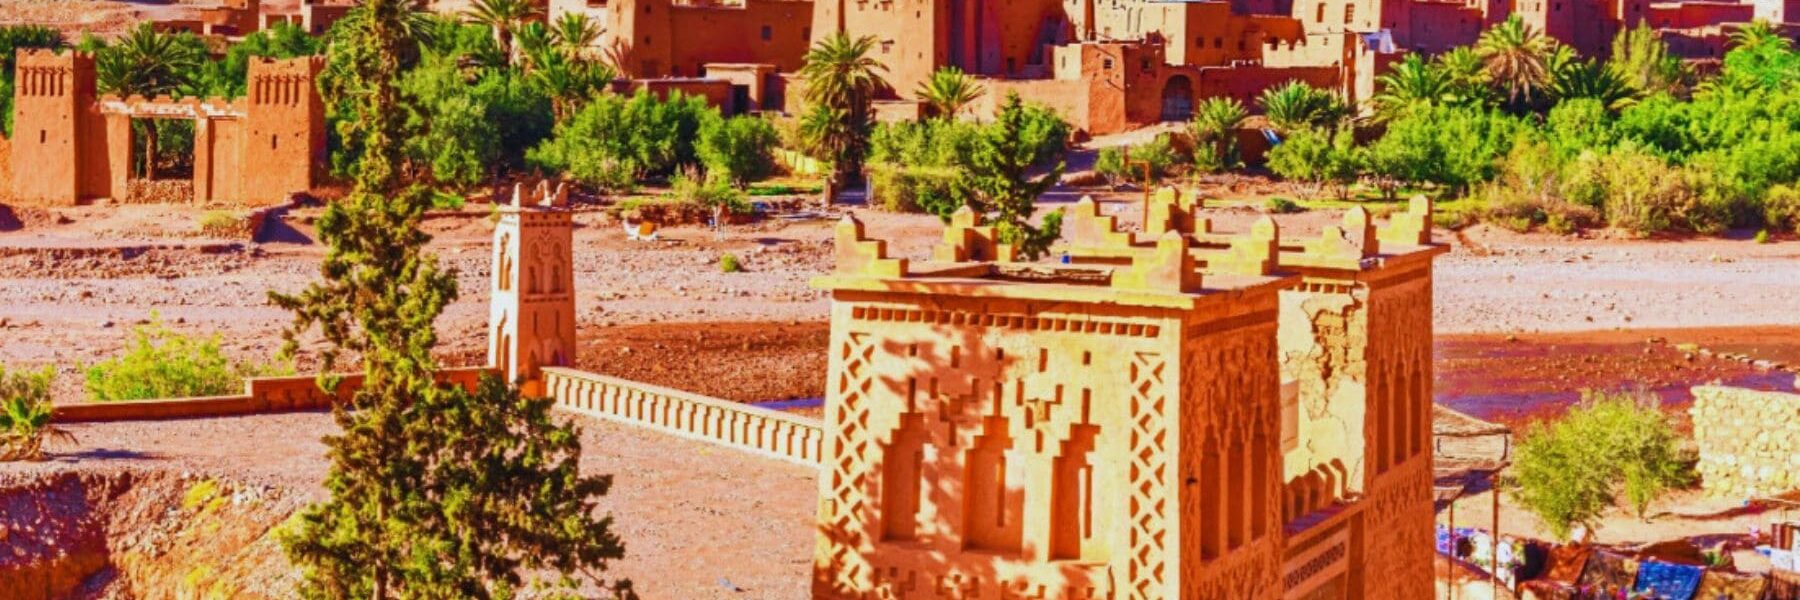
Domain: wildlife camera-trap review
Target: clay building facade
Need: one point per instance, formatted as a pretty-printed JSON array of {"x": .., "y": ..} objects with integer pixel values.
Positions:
[
  {"x": 1190, "y": 415},
  {"x": 256, "y": 150},
  {"x": 663, "y": 38},
  {"x": 531, "y": 321}
]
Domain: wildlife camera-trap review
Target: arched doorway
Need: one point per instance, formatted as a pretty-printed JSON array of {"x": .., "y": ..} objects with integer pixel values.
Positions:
[{"x": 1178, "y": 99}]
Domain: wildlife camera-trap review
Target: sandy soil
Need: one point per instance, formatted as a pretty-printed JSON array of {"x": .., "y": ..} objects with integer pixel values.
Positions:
[{"x": 698, "y": 521}]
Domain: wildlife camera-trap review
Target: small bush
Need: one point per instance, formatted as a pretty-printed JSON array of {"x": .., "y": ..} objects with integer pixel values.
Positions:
[
  {"x": 1762, "y": 236},
  {"x": 708, "y": 191},
  {"x": 1281, "y": 206},
  {"x": 161, "y": 363},
  {"x": 223, "y": 224},
  {"x": 1609, "y": 447},
  {"x": 740, "y": 149},
  {"x": 728, "y": 263},
  {"x": 1781, "y": 208},
  {"x": 1128, "y": 164},
  {"x": 25, "y": 413}
]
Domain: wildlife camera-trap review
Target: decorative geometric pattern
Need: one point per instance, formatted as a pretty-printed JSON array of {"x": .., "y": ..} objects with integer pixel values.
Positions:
[
  {"x": 850, "y": 446},
  {"x": 1149, "y": 466}
]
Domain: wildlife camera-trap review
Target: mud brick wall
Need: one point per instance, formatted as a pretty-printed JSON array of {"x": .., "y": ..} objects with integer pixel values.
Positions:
[{"x": 1749, "y": 441}]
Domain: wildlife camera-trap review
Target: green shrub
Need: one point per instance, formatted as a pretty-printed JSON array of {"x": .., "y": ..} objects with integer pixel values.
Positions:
[
  {"x": 728, "y": 263},
  {"x": 25, "y": 414},
  {"x": 1281, "y": 206},
  {"x": 162, "y": 363},
  {"x": 1762, "y": 236},
  {"x": 1781, "y": 208},
  {"x": 1610, "y": 447},
  {"x": 1110, "y": 164},
  {"x": 693, "y": 188},
  {"x": 613, "y": 137},
  {"x": 1318, "y": 158},
  {"x": 1118, "y": 164},
  {"x": 223, "y": 224},
  {"x": 740, "y": 149},
  {"x": 917, "y": 189}
]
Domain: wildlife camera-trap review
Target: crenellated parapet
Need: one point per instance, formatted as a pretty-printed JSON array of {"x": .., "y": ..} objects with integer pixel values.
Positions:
[
  {"x": 967, "y": 240},
  {"x": 1410, "y": 228},
  {"x": 1085, "y": 227},
  {"x": 1174, "y": 209},
  {"x": 1167, "y": 268},
  {"x": 859, "y": 255},
  {"x": 1254, "y": 253}
]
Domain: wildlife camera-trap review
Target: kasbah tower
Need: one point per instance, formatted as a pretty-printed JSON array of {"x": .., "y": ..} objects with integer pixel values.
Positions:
[{"x": 1223, "y": 416}]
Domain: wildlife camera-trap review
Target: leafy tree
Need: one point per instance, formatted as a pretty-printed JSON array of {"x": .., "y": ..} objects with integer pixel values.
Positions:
[
  {"x": 25, "y": 414},
  {"x": 1410, "y": 83},
  {"x": 999, "y": 174},
  {"x": 1402, "y": 155},
  {"x": 1317, "y": 157},
  {"x": 1296, "y": 105},
  {"x": 948, "y": 91},
  {"x": 741, "y": 148},
  {"x": 615, "y": 140},
  {"x": 1641, "y": 57},
  {"x": 1760, "y": 59},
  {"x": 435, "y": 491},
  {"x": 1568, "y": 472},
  {"x": 505, "y": 18},
  {"x": 1514, "y": 57},
  {"x": 1577, "y": 125},
  {"x": 14, "y": 38},
  {"x": 841, "y": 81},
  {"x": 1215, "y": 126}
]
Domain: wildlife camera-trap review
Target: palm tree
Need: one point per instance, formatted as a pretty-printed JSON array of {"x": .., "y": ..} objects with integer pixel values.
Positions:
[
  {"x": 576, "y": 34},
  {"x": 1574, "y": 77},
  {"x": 1643, "y": 60},
  {"x": 570, "y": 83},
  {"x": 533, "y": 43},
  {"x": 505, "y": 17},
  {"x": 841, "y": 83},
  {"x": 1514, "y": 57},
  {"x": 1412, "y": 82},
  {"x": 1296, "y": 105},
  {"x": 948, "y": 91},
  {"x": 1215, "y": 126},
  {"x": 148, "y": 63},
  {"x": 1758, "y": 35},
  {"x": 1465, "y": 76}
]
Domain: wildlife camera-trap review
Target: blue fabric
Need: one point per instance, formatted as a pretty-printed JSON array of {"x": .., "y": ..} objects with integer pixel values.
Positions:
[{"x": 1668, "y": 581}]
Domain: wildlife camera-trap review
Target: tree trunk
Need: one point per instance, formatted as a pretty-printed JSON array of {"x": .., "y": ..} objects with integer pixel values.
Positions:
[{"x": 150, "y": 151}]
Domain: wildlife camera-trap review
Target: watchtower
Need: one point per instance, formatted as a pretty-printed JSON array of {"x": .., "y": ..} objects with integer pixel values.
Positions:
[
  {"x": 53, "y": 118},
  {"x": 532, "y": 318}
]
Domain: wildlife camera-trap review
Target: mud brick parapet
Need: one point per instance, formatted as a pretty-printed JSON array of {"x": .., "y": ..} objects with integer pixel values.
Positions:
[
  {"x": 767, "y": 432},
  {"x": 1749, "y": 441},
  {"x": 262, "y": 395}
]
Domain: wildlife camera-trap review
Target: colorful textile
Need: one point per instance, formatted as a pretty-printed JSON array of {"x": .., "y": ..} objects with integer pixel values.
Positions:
[
  {"x": 1719, "y": 585},
  {"x": 1609, "y": 573},
  {"x": 1667, "y": 581},
  {"x": 1544, "y": 589},
  {"x": 1566, "y": 563}
]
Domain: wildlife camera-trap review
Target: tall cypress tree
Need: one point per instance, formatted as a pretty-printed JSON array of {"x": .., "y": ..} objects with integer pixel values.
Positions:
[{"x": 436, "y": 492}]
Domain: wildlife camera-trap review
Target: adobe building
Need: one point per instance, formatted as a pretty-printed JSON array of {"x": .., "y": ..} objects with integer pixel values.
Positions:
[
  {"x": 1159, "y": 420},
  {"x": 665, "y": 38},
  {"x": 76, "y": 145},
  {"x": 532, "y": 310}
]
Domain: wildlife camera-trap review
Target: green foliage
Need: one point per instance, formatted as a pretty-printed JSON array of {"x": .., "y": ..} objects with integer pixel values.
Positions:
[
  {"x": 1762, "y": 236},
  {"x": 1295, "y": 105},
  {"x": 505, "y": 18},
  {"x": 728, "y": 263},
  {"x": 160, "y": 362},
  {"x": 1215, "y": 126},
  {"x": 14, "y": 38},
  {"x": 1318, "y": 158},
  {"x": 1782, "y": 208},
  {"x": 222, "y": 224},
  {"x": 228, "y": 76},
  {"x": 1516, "y": 58},
  {"x": 1641, "y": 57},
  {"x": 1281, "y": 206},
  {"x": 926, "y": 166},
  {"x": 1609, "y": 447},
  {"x": 25, "y": 414},
  {"x": 841, "y": 82},
  {"x": 1581, "y": 79},
  {"x": 463, "y": 124},
  {"x": 1409, "y": 84},
  {"x": 435, "y": 491},
  {"x": 998, "y": 173},
  {"x": 1110, "y": 163},
  {"x": 1761, "y": 58},
  {"x": 948, "y": 92},
  {"x": 615, "y": 140},
  {"x": 708, "y": 191},
  {"x": 740, "y": 149}
]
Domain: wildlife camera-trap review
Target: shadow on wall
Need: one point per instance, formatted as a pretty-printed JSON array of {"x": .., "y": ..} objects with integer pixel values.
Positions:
[{"x": 9, "y": 221}]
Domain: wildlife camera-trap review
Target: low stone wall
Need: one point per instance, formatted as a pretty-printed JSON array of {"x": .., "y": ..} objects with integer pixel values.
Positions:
[
  {"x": 261, "y": 395},
  {"x": 759, "y": 430},
  {"x": 1749, "y": 441}
]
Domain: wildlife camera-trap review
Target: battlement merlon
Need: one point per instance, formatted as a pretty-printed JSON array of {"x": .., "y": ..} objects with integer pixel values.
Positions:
[
  {"x": 1358, "y": 245},
  {"x": 1163, "y": 278}
]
